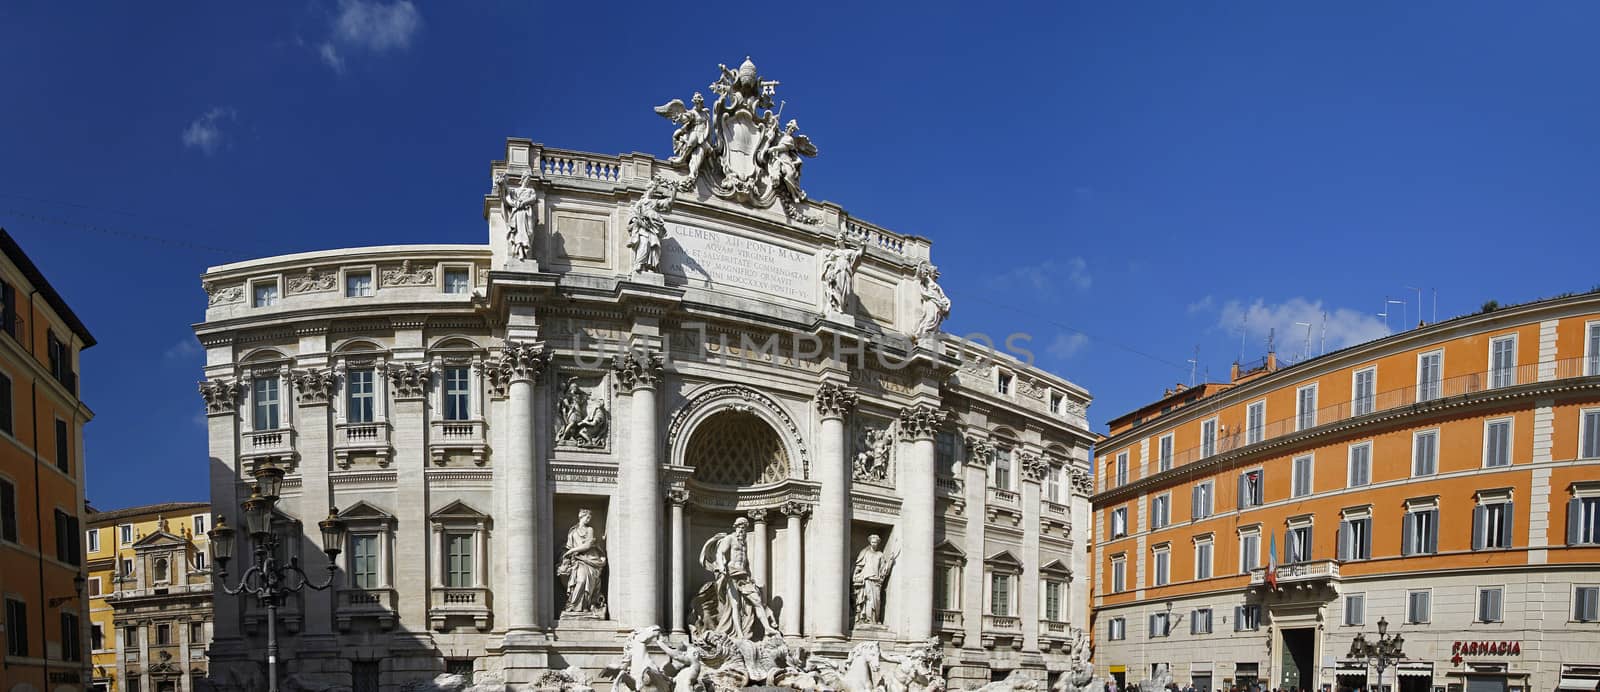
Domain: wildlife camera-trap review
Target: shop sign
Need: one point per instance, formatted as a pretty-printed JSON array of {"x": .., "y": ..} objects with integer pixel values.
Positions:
[{"x": 1486, "y": 649}]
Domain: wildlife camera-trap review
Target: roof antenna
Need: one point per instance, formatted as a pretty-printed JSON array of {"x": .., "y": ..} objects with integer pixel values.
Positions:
[
  {"x": 1194, "y": 363},
  {"x": 1272, "y": 335},
  {"x": 1305, "y": 353},
  {"x": 1323, "y": 349},
  {"x": 1243, "y": 330},
  {"x": 1419, "y": 304}
]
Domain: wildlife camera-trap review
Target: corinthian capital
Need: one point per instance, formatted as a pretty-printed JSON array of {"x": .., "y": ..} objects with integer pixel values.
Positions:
[
  {"x": 979, "y": 450},
  {"x": 796, "y": 508},
  {"x": 408, "y": 380},
  {"x": 313, "y": 386},
  {"x": 835, "y": 400},
  {"x": 1034, "y": 467},
  {"x": 221, "y": 396},
  {"x": 519, "y": 362},
  {"x": 921, "y": 422},
  {"x": 637, "y": 369}
]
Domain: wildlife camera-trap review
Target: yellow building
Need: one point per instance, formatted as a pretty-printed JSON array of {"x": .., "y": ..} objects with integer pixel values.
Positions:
[
  {"x": 149, "y": 596},
  {"x": 41, "y": 482},
  {"x": 1442, "y": 482}
]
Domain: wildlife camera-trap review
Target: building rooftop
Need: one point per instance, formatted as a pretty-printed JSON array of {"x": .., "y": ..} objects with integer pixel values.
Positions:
[
  {"x": 97, "y": 517},
  {"x": 14, "y": 252}
]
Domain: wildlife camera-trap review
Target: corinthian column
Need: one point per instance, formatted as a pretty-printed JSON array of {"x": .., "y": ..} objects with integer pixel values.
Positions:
[
  {"x": 918, "y": 425},
  {"x": 760, "y": 547},
  {"x": 639, "y": 493},
  {"x": 831, "y": 525},
  {"x": 519, "y": 368},
  {"x": 676, "y": 499}
]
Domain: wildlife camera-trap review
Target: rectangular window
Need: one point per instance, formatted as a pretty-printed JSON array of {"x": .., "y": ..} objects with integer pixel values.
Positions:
[
  {"x": 459, "y": 560},
  {"x": 1420, "y": 532},
  {"x": 63, "y": 447},
  {"x": 1591, "y": 345},
  {"x": 97, "y": 637},
  {"x": 1255, "y": 426},
  {"x": 1425, "y": 453},
  {"x": 358, "y": 284},
  {"x": 1052, "y": 601},
  {"x": 1250, "y": 490},
  {"x": 5, "y": 405},
  {"x": 198, "y": 522},
  {"x": 1202, "y": 559},
  {"x": 200, "y": 560},
  {"x": 197, "y": 633},
  {"x": 265, "y": 400},
  {"x": 130, "y": 637},
  {"x": 1160, "y": 625},
  {"x": 264, "y": 294},
  {"x": 1116, "y": 629},
  {"x": 1355, "y": 609},
  {"x": 71, "y": 638},
  {"x": 1589, "y": 442},
  {"x": 1119, "y": 522},
  {"x": 1058, "y": 403},
  {"x": 1491, "y": 525},
  {"x": 1586, "y": 603},
  {"x": 1164, "y": 452},
  {"x": 1355, "y": 539},
  {"x": 1200, "y": 621},
  {"x": 1247, "y": 618},
  {"x": 125, "y": 568},
  {"x": 1302, "y": 476},
  {"x": 1297, "y": 544},
  {"x": 1497, "y": 443},
  {"x": 1162, "y": 566},
  {"x": 1201, "y": 501},
  {"x": 457, "y": 281},
  {"x": 1305, "y": 408},
  {"x": 1208, "y": 438},
  {"x": 360, "y": 396},
  {"x": 1583, "y": 521},
  {"x": 1418, "y": 607},
  {"x": 456, "y": 393},
  {"x": 1052, "y": 484},
  {"x": 1002, "y": 382},
  {"x": 16, "y": 628},
  {"x": 1119, "y": 575},
  {"x": 1503, "y": 361},
  {"x": 1364, "y": 390},
  {"x": 364, "y": 561},
  {"x": 1360, "y": 465},
  {"x": 1000, "y": 594},
  {"x": 164, "y": 634},
  {"x": 60, "y": 357},
  {"x": 68, "y": 549},
  {"x": 1002, "y": 468},
  {"x": 1490, "y": 600},
  {"x": 124, "y": 534},
  {"x": 1249, "y": 552},
  {"x": 1430, "y": 375},
  {"x": 1122, "y": 469},
  {"x": 8, "y": 309},
  {"x": 1160, "y": 511},
  {"x": 8, "y": 511}
]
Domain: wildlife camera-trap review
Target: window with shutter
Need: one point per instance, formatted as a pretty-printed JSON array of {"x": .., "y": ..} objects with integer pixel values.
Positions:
[
  {"x": 1497, "y": 443},
  {"x": 1489, "y": 602},
  {"x": 1589, "y": 437},
  {"x": 1355, "y": 606},
  {"x": 1364, "y": 387},
  {"x": 1503, "y": 361},
  {"x": 8, "y": 511},
  {"x": 1417, "y": 607},
  {"x": 1425, "y": 453},
  {"x": 1591, "y": 364},
  {"x": 1586, "y": 603}
]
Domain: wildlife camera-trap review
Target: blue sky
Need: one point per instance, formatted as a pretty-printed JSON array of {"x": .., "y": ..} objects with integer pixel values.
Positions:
[{"x": 1123, "y": 181}]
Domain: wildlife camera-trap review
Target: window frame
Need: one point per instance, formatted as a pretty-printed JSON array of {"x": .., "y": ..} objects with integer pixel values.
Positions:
[
  {"x": 998, "y": 578},
  {"x": 1206, "y": 489},
  {"x": 1197, "y": 616},
  {"x": 1578, "y": 602},
  {"x": 1495, "y": 371},
  {"x": 1208, "y": 437},
  {"x": 125, "y": 534},
  {"x": 380, "y": 559},
  {"x": 1116, "y": 629},
  {"x": 1511, "y": 439},
  {"x": 1411, "y": 609},
  {"x": 1249, "y": 560},
  {"x": 1119, "y": 573},
  {"x": 1350, "y": 465},
  {"x": 17, "y": 644},
  {"x": 1164, "y": 452},
  {"x": 1161, "y": 564},
  {"x": 1119, "y": 522},
  {"x": 10, "y": 512},
  {"x": 1356, "y": 399},
  {"x": 1591, "y": 355},
  {"x": 445, "y": 270},
  {"x": 1310, "y": 476},
  {"x": 275, "y": 282},
  {"x": 348, "y": 273},
  {"x": 1164, "y": 501},
  {"x": 1433, "y": 461},
  {"x": 1305, "y": 418},
  {"x": 1436, "y": 386},
  {"x": 1205, "y": 568},
  {"x": 365, "y": 378},
  {"x": 447, "y": 394},
  {"x": 1478, "y": 614},
  {"x": 1346, "y": 620},
  {"x": 1121, "y": 468},
  {"x": 258, "y": 405},
  {"x": 1255, "y": 425},
  {"x": 1253, "y": 494},
  {"x": 1588, "y": 430}
]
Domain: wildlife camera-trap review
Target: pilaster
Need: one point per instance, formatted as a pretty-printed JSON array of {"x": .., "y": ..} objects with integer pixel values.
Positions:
[{"x": 1034, "y": 470}]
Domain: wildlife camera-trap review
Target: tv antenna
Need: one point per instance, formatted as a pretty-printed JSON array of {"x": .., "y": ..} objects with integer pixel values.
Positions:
[
  {"x": 1419, "y": 303},
  {"x": 1193, "y": 364},
  {"x": 1305, "y": 353}
]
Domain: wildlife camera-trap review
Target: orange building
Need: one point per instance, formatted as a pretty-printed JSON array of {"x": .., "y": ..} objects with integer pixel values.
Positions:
[
  {"x": 41, "y": 482},
  {"x": 1445, "y": 480}
]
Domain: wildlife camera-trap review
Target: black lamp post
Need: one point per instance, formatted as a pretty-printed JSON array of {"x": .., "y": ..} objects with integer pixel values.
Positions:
[
  {"x": 1382, "y": 653},
  {"x": 268, "y": 578}
]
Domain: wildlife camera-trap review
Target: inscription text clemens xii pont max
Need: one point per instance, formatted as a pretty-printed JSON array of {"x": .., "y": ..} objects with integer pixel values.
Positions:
[{"x": 723, "y": 259}]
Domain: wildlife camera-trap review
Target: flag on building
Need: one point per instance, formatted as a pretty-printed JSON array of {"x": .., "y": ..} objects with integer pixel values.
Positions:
[{"x": 1272, "y": 563}]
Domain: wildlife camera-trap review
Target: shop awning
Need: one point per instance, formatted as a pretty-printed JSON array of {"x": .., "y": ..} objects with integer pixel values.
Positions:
[
  {"x": 1418, "y": 668},
  {"x": 1573, "y": 682},
  {"x": 1351, "y": 668}
]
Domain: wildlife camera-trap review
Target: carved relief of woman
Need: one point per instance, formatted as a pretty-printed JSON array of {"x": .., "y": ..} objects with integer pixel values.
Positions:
[{"x": 581, "y": 565}]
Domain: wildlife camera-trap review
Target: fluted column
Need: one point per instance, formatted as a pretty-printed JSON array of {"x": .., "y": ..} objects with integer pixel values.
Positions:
[
  {"x": 519, "y": 366},
  {"x": 639, "y": 490},
  {"x": 676, "y": 499},
  {"x": 1034, "y": 470},
  {"x": 794, "y": 569},
  {"x": 918, "y": 425},
  {"x": 760, "y": 548},
  {"x": 831, "y": 527}
]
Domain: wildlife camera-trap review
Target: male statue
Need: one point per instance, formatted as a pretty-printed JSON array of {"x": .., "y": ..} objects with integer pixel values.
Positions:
[{"x": 732, "y": 603}]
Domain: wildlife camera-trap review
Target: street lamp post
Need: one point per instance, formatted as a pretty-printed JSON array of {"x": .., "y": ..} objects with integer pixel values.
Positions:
[
  {"x": 1380, "y": 654},
  {"x": 268, "y": 578}
]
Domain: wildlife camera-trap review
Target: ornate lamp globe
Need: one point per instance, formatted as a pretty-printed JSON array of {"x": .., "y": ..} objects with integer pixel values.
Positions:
[
  {"x": 269, "y": 479},
  {"x": 258, "y": 515},
  {"x": 1383, "y": 626},
  {"x": 221, "y": 536},
  {"x": 333, "y": 533}
]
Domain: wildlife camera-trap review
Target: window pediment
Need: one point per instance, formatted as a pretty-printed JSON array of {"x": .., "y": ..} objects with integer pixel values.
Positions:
[
  {"x": 1004, "y": 561},
  {"x": 1055, "y": 568},
  {"x": 458, "y": 512},
  {"x": 363, "y": 513}
]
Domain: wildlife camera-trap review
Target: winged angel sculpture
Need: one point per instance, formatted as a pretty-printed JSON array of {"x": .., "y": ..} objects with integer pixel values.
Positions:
[{"x": 738, "y": 143}]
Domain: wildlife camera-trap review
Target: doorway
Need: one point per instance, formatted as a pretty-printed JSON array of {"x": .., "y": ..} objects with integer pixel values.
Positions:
[{"x": 1299, "y": 659}]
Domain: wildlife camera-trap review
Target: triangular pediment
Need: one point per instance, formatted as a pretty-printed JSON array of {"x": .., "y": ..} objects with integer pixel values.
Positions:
[
  {"x": 948, "y": 549},
  {"x": 1004, "y": 557},
  {"x": 363, "y": 510},
  {"x": 159, "y": 538},
  {"x": 458, "y": 510},
  {"x": 1055, "y": 568}
]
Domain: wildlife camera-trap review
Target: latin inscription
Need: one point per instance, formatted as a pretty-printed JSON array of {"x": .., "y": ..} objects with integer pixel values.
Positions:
[{"x": 723, "y": 259}]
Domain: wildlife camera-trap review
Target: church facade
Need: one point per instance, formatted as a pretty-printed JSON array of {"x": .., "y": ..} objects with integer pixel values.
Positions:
[{"x": 673, "y": 393}]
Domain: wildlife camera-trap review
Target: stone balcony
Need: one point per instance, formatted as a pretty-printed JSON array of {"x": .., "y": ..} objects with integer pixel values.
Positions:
[
  {"x": 1054, "y": 634},
  {"x": 467, "y": 602},
  {"x": 1300, "y": 576},
  {"x": 277, "y": 443},
  {"x": 451, "y": 437},
  {"x": 378, "y": 604},
  {"x": 361, "y": 439},
  {"x": 998, "y": 629},
  {"x": 950, "y": 624}
]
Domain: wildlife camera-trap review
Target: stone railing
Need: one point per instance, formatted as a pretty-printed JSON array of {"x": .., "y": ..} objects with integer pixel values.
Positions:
[
  {"x": 377, "y": 603},
  {"x": 1055, "y": 627},
  {"x": 874, "y": 236},
  {"x": 1002, "y": 623},
  {"x": 447, "y": 601},
  {"x": 1055, "y": 508},
  {"x": 460, "y": 436},
  {"x": 1299, "y": 572},
  {"x": 1001, "y": 496},
  {"x": 267, "y": 443},
  {"x": 358, "y": 438},
  {"x": 575, "y": 164},
  {"x": 946, "y": 619}
]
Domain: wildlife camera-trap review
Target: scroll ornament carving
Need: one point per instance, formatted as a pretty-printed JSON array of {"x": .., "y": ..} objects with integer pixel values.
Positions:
[
  {"x": 835, "y": 400},
  {"x": 1033, "y": 389},
  {"x": 518, "y": 361},
  {"x": 406, "y": 275},
  {"x": 1034, "y": 467},
  {"x": 312, "y": 281},
  {"x": 408, "y": 380},
  {"x": 980, "y": 451},
  {"x": 920, "y": 422},
  {"x": 637, "y": 369},
  {"x": 313, "y": 386},
  {"x": 796, "y": 508},
  {"x": 221, "y": 396},
  {"x": 222, "y": 295},
  {"x": 1082, "y": 483}
]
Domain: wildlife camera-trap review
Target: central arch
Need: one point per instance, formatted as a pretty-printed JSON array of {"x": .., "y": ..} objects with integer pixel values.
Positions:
[
  {"x": 749, "y": 420},
  {"x": 733, "y": 448}
]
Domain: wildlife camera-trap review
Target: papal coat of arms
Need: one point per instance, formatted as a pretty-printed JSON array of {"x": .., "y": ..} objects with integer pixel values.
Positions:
[{"x": 738, "y": 144}]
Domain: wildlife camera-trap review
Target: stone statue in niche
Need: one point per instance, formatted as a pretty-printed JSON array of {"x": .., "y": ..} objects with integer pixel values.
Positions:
[
  {"x": 582, "y": 419},
  {"x": 934, "y": 306},
  {"x": 517, "y": 203},
  {"x": 581, "y": 565},
  {"x": 877, "y": 448},
  {"x": 646, "y": 227},
  {"x": 838, "y": 268},
  {"x": 732, "y": 603},
  {"x": 871, "y": 571}
]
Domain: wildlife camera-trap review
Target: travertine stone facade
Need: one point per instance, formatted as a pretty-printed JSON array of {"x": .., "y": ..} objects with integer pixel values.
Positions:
[{"x": 460, "y": 404}]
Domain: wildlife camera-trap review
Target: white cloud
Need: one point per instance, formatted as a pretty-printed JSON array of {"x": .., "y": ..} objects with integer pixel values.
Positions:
[
  {"x": 1202, "y": 305},
  {"x": 185, "y": 349},
  {"x": 205, "y": 133},
  {"x": 1047, "y": 277},
  {"x": 371, "y": 26},
  {"x": 1066, "y": 344},
  {"x": 1344, "y": 327}
]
